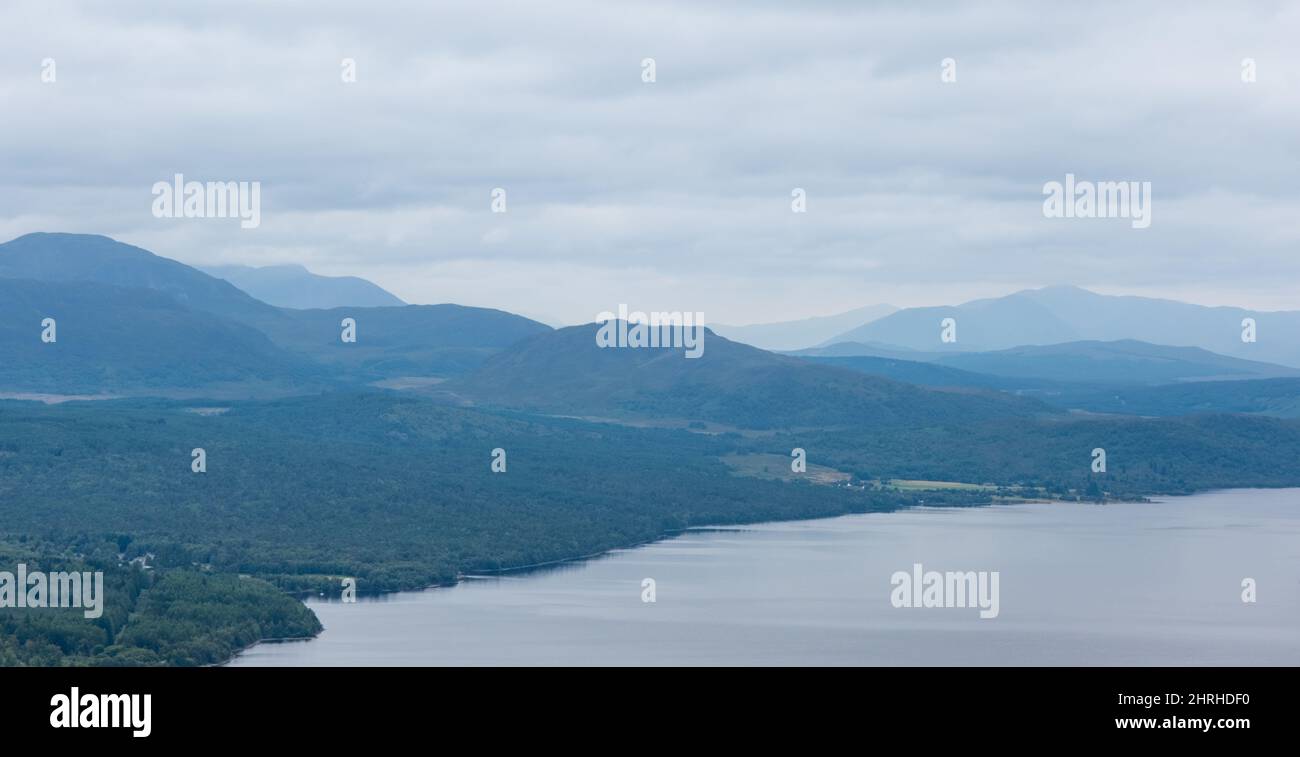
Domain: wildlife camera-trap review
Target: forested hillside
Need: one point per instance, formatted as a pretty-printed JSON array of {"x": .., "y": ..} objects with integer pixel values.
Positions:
[
  {"x": 399, "y": 493},
  {"x": 564, "y": 371},
  {"x": 105, "y": 339},
  {"x": 396, "y": 492},
  {"x": 177, "y": 617}
]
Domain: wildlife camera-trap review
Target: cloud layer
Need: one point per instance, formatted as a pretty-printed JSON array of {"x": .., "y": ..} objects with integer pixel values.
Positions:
[{"x": 676, "y": 194}]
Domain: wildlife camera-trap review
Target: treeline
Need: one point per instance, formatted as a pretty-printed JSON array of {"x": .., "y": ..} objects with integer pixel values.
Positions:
[
  {"x": 395, "y": 492},
  {"x": 179, "y": 617},
  {"x": 399, "y": 493},
  {"x": 1143, "y": 456}
]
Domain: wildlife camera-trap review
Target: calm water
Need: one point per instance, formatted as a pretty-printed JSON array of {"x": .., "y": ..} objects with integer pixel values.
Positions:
[{"x": 1125, "y": 584}]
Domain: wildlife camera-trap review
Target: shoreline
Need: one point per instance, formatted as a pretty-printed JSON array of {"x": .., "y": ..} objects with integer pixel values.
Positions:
[
  {"x": 1225, "y": 507},
  {"x": 461, "y": 578},
  {"x": 1146, "y": 499}
]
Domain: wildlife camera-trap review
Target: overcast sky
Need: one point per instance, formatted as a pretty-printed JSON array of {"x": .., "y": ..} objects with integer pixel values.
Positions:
[{"x": 674, "y": 194}]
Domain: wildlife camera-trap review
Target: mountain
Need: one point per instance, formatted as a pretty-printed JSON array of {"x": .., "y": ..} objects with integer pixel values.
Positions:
[
  {"x": 981, "y": 325},
  {"x": 414, "y": 340},
  {"x": 293, "y": 286},
  {"x": 872, "y": 426},
  {"x": 1125, "y": 361},
  {"x": 870, "y": 349},
  {"x": 1275, "y": 397},
  {"x": 792, "y": 335},
  {"x": 1053, "y": 315},
  {"x": 927, "y": 374},
  {"x": 391, "y": 341},
  {"x": 1278, "y": 397},
  {"x": 120, "y": 340},
  {"x": 565, "y": 372},
  {"x": 90, "y": 257}
]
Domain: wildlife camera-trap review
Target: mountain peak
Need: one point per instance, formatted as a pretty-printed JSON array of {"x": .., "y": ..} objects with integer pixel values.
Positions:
[
  {"x": 1065, "y": 313},
  {"x": 1063, "y": 289},
  {"x": 45, "y": 256},
  {"x": 62, "y": 242}
]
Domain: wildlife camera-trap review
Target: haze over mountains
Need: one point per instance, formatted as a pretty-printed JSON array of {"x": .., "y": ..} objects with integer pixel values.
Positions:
[
  {"x": 113, "y": 339},
  {"x": 1057, "y": 314},
  {"x": 793, "y": 335},
  {"x": 733, "y": 384},
  {"x": 132, "y": 322},
  {"x": 1125, "y": 361},
  {"x": 293, "y": 286},
  {"x": 94, "y": 258},
  {"x": 392, "y": 341}
]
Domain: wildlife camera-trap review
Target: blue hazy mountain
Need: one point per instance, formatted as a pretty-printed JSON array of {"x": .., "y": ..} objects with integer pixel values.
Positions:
[
  {"x": 293, "y": 286},
  {"x": 926, "y": 374},
  {"x": 91, "y": 257},
  {"x": 1276, "y": 397},
  {"x": 791, "y": 335},
  {"x": 451, "y": 340},
  {"x": 565, "y": 372},
  {"x": 1125, "y": 361},
  {"x": 119, "y": 340},
  {"x": 392, "y": 341},
  {"x": 1058, "y": 314},
  {"x": 1279, "y": 397},
  {"x": 981, "y": 325},
  {"x": 870, "y": 349},
  {"x": 413, "y": 340}
]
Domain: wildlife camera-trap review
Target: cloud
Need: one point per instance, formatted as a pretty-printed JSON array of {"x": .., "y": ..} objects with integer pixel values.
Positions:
[{"x": 676, "y": 193}]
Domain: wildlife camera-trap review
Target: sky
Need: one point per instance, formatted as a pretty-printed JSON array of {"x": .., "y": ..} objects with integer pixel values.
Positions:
[{"x": 672, "y": 194}]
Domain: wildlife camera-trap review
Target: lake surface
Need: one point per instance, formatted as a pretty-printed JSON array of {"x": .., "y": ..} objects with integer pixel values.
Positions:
[{"x": 1122, "y": 584}]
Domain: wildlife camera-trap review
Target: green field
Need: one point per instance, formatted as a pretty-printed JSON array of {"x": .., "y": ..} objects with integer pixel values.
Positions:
[{"x": 918, "y": 485}]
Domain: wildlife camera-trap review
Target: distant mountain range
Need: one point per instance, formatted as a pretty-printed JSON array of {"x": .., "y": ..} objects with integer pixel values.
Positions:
[
  {"x": 565, "y": 372},
  {"x": 111, "y": 339},
  {"x": 131, "y": 322},
  {"x": 1126, "y": 361},
  {"x": 293, "y": 286},
  {"x": 93, "y": 258},
  {"x": 1125, "y": 377},
  {"x": 412, "y": 340},
  {"x": 793, "y": 335},
  {"x": 1059, "y": 314},
  {"x": 1262, "y": 396}
]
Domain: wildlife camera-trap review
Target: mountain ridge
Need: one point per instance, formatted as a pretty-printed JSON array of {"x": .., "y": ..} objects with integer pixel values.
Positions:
[
  {"x": 731, "y": 383},
  {"x": 420, "y": 340},
  {"x": 793, "y": 334},
  {"x": 1058, "y": 314},
  {"x": 293, "y": 286}
]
